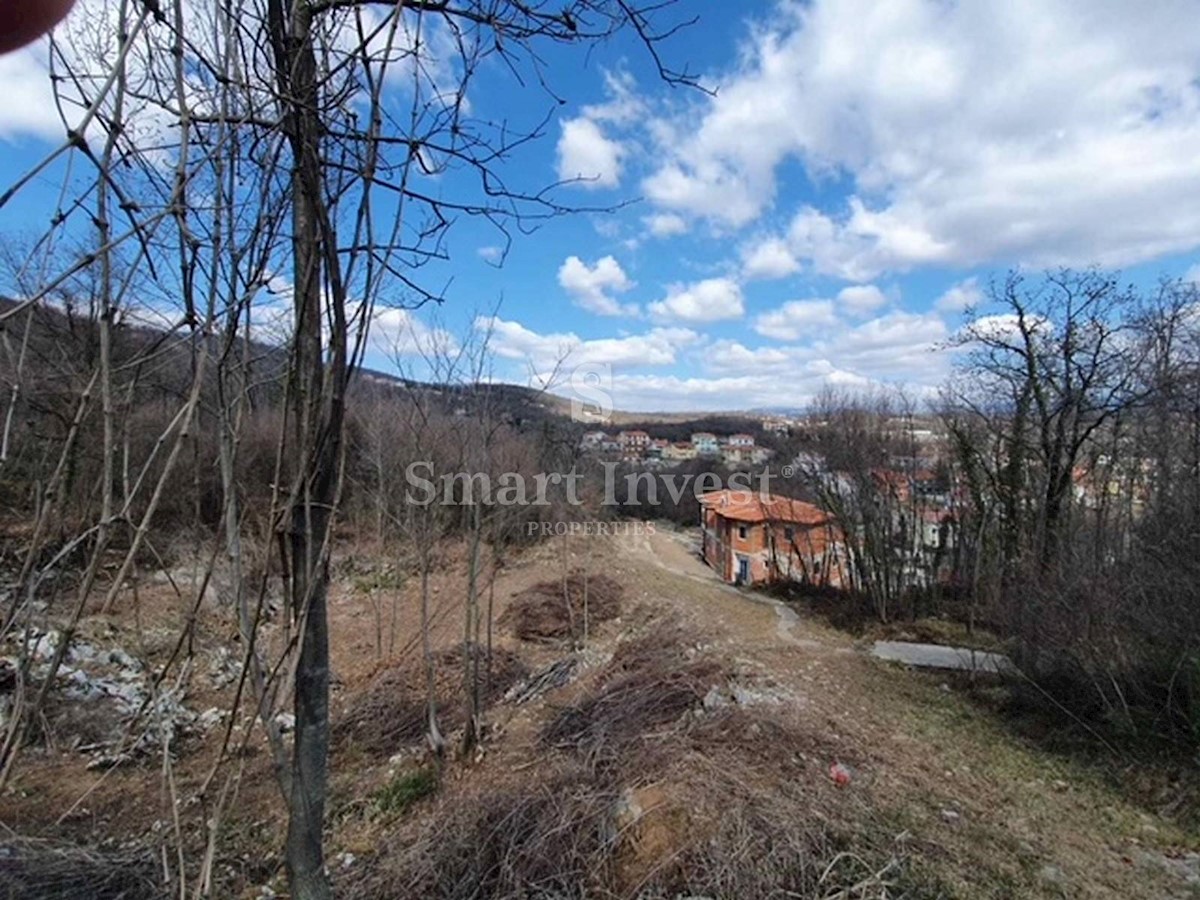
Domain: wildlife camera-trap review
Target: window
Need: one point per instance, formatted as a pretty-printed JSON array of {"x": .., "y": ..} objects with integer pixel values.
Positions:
[
  {"x": 789, "y": 533},
  {"x": 742, "y": 531}
]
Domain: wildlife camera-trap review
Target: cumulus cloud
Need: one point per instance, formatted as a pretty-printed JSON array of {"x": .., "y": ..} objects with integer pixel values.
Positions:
[
  {"x": 770, "y": 258},
  {"x": 796, "y": 319},
  {"x": 401, "y": 332},
  {"x": 710, "y": 300},
  {"x": 543, "y": 352},
  {"x": 592, "y": 287},
  {"x": 587, "y": 154},
  {"x": 897, "y": 348},
  {"x": 967, "y": 133},
  {"x": 861, "y": 299},
  {"x": 666, "y": 224},
  {"x": 960, "y": 297},
  {"x": 28, "y": 106}
]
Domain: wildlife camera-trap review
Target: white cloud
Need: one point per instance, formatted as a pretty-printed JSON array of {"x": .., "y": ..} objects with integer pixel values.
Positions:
[
  {"x": 769, "y": 258},
  {"x": 967, "y": 133},
  {"x": 861, "y": 299},
  {"x": 710, "y": 300},
  {"x": 491, "y": 254},
  {"x": 796, "y": 319},
  {"x": 400, "y": 332},
  {"x": 897, "y": 348},
  {"x": 592, "y": 286},
  {"x": 959, "y": 297},
  {"x": 894, "y": 348},
  {"x": 585, "y": 153},
  {"x": 623, "y": 106},
  {"x": 735, "y": 357},
  {"x": 546, "y": 352},
  {"x": 666, "y": 224},
  {"x": 28, "y": 106}
]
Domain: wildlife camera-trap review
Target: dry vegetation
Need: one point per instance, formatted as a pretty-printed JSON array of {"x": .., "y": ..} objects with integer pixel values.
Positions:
[
  {"x": 31, "y": 868},
  {"x": 392, "y": 713},
  {"x": 687, "y": 754},
  {"x": 644, "y": 789},
  {"x": 563, "y": 609}
]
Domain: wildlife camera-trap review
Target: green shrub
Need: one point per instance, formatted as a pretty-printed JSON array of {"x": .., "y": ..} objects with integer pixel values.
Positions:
[{"x": 406, "y": 789}]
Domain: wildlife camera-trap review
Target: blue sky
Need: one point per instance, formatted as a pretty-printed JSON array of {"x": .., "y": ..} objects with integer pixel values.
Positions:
[{"x": 824, "y": 217}]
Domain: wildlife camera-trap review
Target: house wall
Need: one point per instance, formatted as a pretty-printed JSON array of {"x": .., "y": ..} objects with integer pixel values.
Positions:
[{"x": 811, "y": 554}]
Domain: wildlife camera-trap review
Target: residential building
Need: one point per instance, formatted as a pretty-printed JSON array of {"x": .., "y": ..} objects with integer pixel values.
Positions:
[
  {"x": 593, "y": 440},
  {"x": 706, "y": 444},
  {"x": 751, "y": 539},
  {"x": 679, "y": 451},
  {"x": 634, "y": 445}
]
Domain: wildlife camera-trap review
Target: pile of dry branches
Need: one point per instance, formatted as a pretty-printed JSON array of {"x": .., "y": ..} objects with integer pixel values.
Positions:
[
  {"x": 651, "y": 682},
  {"x": 392, "y": 711},
  {"x": 562, "y": 609},
  {"x": 644, "y": 792},
  {"x": 34, "y": 868}
]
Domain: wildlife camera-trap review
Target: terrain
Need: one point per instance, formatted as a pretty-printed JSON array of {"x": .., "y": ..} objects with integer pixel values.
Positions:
[{"x": 704, "y": 739}]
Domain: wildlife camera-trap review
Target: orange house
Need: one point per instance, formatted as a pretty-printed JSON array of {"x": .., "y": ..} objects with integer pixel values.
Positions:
[{"x": 752, "y": 539}]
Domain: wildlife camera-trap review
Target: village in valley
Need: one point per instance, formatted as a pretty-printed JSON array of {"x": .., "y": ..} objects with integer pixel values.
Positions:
[
  {"x": 639, "y": 447},
  {"x": 792, "y": 531}
]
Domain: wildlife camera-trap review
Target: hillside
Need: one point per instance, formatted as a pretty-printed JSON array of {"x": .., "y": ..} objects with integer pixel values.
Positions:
[{"x": 684, "y": 749}]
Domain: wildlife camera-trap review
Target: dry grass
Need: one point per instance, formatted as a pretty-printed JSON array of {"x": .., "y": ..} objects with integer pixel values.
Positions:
[
  {"x": 641, "y": 792},
  {"x": 552, "y": 610},
  {"x": 391, "y": 713}
]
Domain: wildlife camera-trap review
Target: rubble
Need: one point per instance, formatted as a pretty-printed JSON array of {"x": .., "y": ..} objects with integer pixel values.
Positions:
[
  {"x": 127, "y": 714},
  {"x": 553, "y": 676}
]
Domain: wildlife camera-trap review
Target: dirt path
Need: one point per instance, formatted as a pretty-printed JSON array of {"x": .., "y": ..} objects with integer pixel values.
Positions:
[{"x": 1001, "y": 818}]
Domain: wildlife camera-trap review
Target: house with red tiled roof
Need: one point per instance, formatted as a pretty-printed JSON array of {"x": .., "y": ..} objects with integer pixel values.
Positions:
[{"x": 752, "y": 538}]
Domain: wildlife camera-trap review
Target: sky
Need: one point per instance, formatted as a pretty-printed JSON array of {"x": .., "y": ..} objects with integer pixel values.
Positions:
[{"x": 822, "y": 215}]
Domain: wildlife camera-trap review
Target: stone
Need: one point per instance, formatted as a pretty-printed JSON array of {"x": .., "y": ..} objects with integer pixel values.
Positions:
[{"x": 1052, "y": 875}]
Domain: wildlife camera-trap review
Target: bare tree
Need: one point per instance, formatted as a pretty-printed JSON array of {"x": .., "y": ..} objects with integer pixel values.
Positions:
[{"x": 242, "y": 160}]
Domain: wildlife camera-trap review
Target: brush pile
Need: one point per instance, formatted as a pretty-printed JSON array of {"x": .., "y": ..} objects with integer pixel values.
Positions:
[
  {"x": 392, "y": 712},
  {"x": 640, "y": 791},
  {"x": 35, "y": 868},
  {"x": 563, "y": 608}
]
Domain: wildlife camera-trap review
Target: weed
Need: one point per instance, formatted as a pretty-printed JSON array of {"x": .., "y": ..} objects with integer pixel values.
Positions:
[{"x": 395, "y": 797}]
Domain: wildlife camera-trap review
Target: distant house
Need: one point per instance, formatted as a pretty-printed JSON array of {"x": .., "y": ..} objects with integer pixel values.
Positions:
[
  {"x": 634, "y": 445},
  {"x": 706, "y": 444},
  {"x": 751, "y": 539},
  {"x": 937, "y": 530},
  {"x": 680, "y": 450},
  {"x": 739, "y": 449},
  {"x": 759, "y": 455},
  {"x": 657, "y": 448},
  {"x": 593, "y": 440}
]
